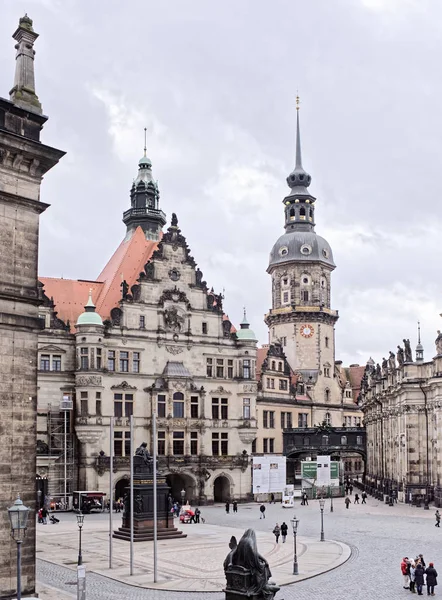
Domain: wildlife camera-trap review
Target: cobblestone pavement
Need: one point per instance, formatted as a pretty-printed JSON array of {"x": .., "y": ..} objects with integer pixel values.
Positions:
[{"x": 379, "y": 536}]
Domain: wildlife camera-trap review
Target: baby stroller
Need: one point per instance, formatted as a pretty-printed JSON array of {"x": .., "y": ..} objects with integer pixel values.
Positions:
[{"x": 53, "y": 519}]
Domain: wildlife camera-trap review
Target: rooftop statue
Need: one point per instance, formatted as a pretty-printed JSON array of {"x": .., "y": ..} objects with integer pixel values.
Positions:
[{"x": 247, "y": 572}]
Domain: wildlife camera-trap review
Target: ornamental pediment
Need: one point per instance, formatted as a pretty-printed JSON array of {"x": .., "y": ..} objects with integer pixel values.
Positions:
[
  {"x": 123, "y": 386},
  {"x": 220, "y": 390},
  {"x": 51, "y": 348}
]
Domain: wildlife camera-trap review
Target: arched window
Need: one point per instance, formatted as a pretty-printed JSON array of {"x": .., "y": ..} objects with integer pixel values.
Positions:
[
  {"x": 280, "y": 366},
  {"x": 178, "y": 405},
  {"x": 327, "y": 396},
  {"x": 343, "y": 440},
  {"x": 359, "y": 440},
  {"x": 302, "y": 213},
  {"x": 292, "y": 214},
  {"x": 310, "y": 213},
  {"x": 325, "y": 440},
  {"x": 273, "y": 365},
  {"x": 327, "y": 418}
]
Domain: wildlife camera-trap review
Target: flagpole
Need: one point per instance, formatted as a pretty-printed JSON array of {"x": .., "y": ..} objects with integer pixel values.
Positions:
[
  {"x": 131, "y": 495},
  {"x": 111, "y": 486},
  {"x": 155, "y": 508}
]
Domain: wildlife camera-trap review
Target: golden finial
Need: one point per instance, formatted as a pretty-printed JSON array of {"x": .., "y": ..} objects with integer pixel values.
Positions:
[
  {"x": 297, "y": 101},
  {"x": 145, "y": 141}
]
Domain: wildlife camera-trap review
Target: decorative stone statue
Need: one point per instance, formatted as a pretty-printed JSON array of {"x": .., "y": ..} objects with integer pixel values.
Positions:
[
  {"x": 408, "y": 354},
  {"x": 392, "y": 361},
  {"x": 144, "y": 452},
  {"x": 438, "y": 342},
  {"x": 247, "y": 572},
  {"x": 384, "y": 366},
  {"x": 174, "y": 221},
  {"x": 124, "y": 289},
  {"x": 378, "y": 373},
  {"x": 400, "y": 356}
]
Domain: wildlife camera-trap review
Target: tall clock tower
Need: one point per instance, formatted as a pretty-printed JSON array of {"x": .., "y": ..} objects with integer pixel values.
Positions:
[{"x": 301, "y": 264}]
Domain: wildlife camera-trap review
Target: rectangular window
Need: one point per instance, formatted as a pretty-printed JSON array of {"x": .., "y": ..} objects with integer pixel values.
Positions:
[
  {"x": 326, "y": 342},
  {"x": 285, "y": 297},
  {"x": 284, "y": 341},
  {"x": 230, "y": 369},
  {"x": 56, "y": 362},
  {"x": 304, "y": 295},
  {"x": 136, "y": 362},
  {"x": 124, "y": 362},
  {"x": 111, "y": 360},
  {"x": 142, "y": 322},
  {"x": 118, "y": 443},
  {"x": 283, "y": 385},
  {"x": 270, "y": 383},
  {"x": 98, "y": 404},
  {"x": 246, "y": 369},
  {"x": 178, "y": 409},
  {"x": 289, "y": 424},
  {"x": 271, "y": 419},
  {"x": 265, "y": 419},
  {"x": 161, "y": 443},
  {"x": 99, "y": 358},
  {"x": 283, "y": 420},
  {"x": 45, "y": 362},
  {"x": 215, "y": 408},
  {"x": 127, "y": 443},
  {"x": 161, "y": 406},
  {"x": 327, "y": 371},
  {"x": 194, "y": 405},
  {"x": 118, "y": 405},
  {"x": 254, "y": 446},
  {"x": 224, "y": 408},
  {"x": 178, "y": 443},
  {"x": 303, "y": 420},
  {"x": 204, "y": 325},
  {"x": 246, "y": 408},
  {"x": 209, "y": 367},
  {"x": 265, "y": 445},
  {"x": 128, "y": 405},
  {"x": 84, "y": 358},
  {"x": 224, "y": 444},
  {"x": 84, "y": 404},
  {"x": 194, "y": 443},
  {"x": 215, "y": 444},
  {"x": 220, "y": 368}
]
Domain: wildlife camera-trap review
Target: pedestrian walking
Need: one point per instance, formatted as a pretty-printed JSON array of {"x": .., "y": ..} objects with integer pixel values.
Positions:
[
  {"x": 40, "y": 515},
  {"x": 272, "y": 498},
  {"x": 364, "y": 497},
  {"x": 235, "y": 506},
  {"x": 411, "y": 569},
  {"x": 197, "y": 515},
  {"x": 437, "y": 515},
  {"x": 262, "y": 510},
  {"x": 347, "y": 502},
  {"x": 419, "y": 578},
  {"x": 227, "y": 507},
  {"x": 304, "y": 499},
  {"x": 431, "y": 574},
  {"x": 405, "y": 574},
  {"x": 356, "y": 499},
  {"x": 284, "y": 529},
  {"x": 277, "y": 532},
  {"x": 351, "y": 489},
  {"x": 44, "y": 514}
]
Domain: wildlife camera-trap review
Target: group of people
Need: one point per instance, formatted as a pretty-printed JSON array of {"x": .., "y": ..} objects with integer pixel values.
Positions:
[
  {"x": 413, "y": 572},
  {"x": 280, "y": 531},
  {"x": 43, "y": 515},
  {"x": 356, "y": 500},
  {"x": 234, "y": 506}
]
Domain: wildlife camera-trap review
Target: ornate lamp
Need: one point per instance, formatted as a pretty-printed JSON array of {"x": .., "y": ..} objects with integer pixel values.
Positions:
[
  {"x": 295, "y": 523},
  {"x": 18, "y": 515}
]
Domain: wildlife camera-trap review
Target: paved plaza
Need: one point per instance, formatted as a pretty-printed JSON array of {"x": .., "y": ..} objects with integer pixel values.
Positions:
[{"x": 378, "y": 536}]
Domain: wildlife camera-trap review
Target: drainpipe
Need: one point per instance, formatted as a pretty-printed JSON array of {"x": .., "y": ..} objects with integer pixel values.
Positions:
[{"x": 426, "y": 505}]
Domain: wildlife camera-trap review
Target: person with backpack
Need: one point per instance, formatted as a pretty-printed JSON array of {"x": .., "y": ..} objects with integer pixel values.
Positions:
[
  {"x": 262, "y": 510},
  {"x": 284, "y": 529},
  {"x": 347, "y": 502},
  {"x": 419, "y": 578},
  {"x": 356, "y": 499},
  {"x": 277, "y": 532}
]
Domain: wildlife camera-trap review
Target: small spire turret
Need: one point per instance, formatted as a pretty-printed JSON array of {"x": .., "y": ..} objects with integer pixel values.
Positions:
[
  {"x": 419, "y": 347},
  {"x": 23, "y": 93}
]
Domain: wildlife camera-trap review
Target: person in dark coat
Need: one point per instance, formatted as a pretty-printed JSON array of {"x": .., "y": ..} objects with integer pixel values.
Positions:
[
  {"x": 262, "y": 510},
  {"x": 277, "y": 532},
  {"x": 227, "y": 507},
  {"x": 235, "y": 506},
  {"x": 419, "y": 578},
  {"x": 284, "y": 529},
  {"x": 431, "y": 578},
  {"x": 437, "y": 519}
]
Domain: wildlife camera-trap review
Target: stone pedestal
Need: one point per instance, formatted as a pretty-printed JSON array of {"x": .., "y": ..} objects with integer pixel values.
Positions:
[{"x": 143, "y": 507}]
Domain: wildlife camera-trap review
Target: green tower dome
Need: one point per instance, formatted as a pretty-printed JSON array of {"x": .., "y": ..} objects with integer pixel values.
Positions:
[
  {"x": 245, "y": 334},
  {"x": 89, "y": 317}
]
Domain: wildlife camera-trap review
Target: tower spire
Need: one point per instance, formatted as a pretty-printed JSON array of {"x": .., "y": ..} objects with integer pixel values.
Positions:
[
  {"x": 298, "y": 180},
  {"x": 23, "y": 93},
  {"x": 145, "y": 141},
  {"x": 419, "y": 347},
  {"x": 298, "y": 161}
]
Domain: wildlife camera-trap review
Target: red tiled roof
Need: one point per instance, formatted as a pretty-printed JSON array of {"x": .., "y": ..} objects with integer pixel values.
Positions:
[
  {"x": 261, "y": 355},
  {"x": 355, "y": 375},
  {"x": 126, "y": 263}
]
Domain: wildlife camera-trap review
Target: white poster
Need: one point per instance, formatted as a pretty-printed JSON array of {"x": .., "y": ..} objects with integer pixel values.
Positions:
[
  {"x": 323, "y": 471},
  {"x": 269, "y": 474}
]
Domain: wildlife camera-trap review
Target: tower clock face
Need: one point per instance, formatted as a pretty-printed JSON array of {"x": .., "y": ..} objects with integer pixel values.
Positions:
[{"x": 307, "y": 331}]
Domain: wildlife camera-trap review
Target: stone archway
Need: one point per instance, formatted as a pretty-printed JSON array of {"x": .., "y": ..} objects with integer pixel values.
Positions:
[
  {"x": 221, "y": 489},
  {"x": 182, "y": 481},
  {"x": 120, "y": 487}
]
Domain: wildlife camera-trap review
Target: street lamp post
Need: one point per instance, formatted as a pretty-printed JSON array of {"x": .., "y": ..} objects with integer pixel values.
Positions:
[
  {"x": 80, "y": 519},
  {"x": 295, "y": 523},
  {"x": 331, "y": 499},
  {"x": 321, "y": 504},
  {"x": 183, "y": 495},
  {"x": 257, "y": 494},
  {"x": 18, "y": 517}
]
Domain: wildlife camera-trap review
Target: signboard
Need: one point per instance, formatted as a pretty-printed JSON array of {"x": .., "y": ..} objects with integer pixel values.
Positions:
[
  {"x": 81, "y": 582},
  {"x": 322, "y": 470},
  {"x": 269, "y": 474},
  {"x": 309, "y": 471}
]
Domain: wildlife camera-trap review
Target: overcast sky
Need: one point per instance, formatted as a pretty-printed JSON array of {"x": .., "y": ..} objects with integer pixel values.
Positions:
[{"x": 215, "y": 85}]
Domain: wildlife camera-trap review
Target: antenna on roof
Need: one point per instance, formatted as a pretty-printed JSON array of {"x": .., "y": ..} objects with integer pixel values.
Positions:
[{"x": 145, "y": 141}]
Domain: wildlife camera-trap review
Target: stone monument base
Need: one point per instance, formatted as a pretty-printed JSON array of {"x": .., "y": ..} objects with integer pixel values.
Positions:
[{"x": 145, "y": 534}]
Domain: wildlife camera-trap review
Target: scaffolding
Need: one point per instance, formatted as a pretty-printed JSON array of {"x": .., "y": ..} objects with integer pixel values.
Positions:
[{"x": 61, "y": 446}]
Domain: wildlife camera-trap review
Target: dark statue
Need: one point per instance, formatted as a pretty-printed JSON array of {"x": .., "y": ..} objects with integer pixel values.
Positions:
[
  {"x": 408, "y": 354},
  {"x": 144, "y": 452},
  {"x": 378, "y": 373},
  {"x": 384, "y": 366},
  {"x": 247, "y": 572},
  {"x": 174, "y": 221},
  {"x": 124, "y": 289},
  {"x": 400, "y": 356},
  {"x": 392, "y": 361},
  {"x": 438, "y": 343}
]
